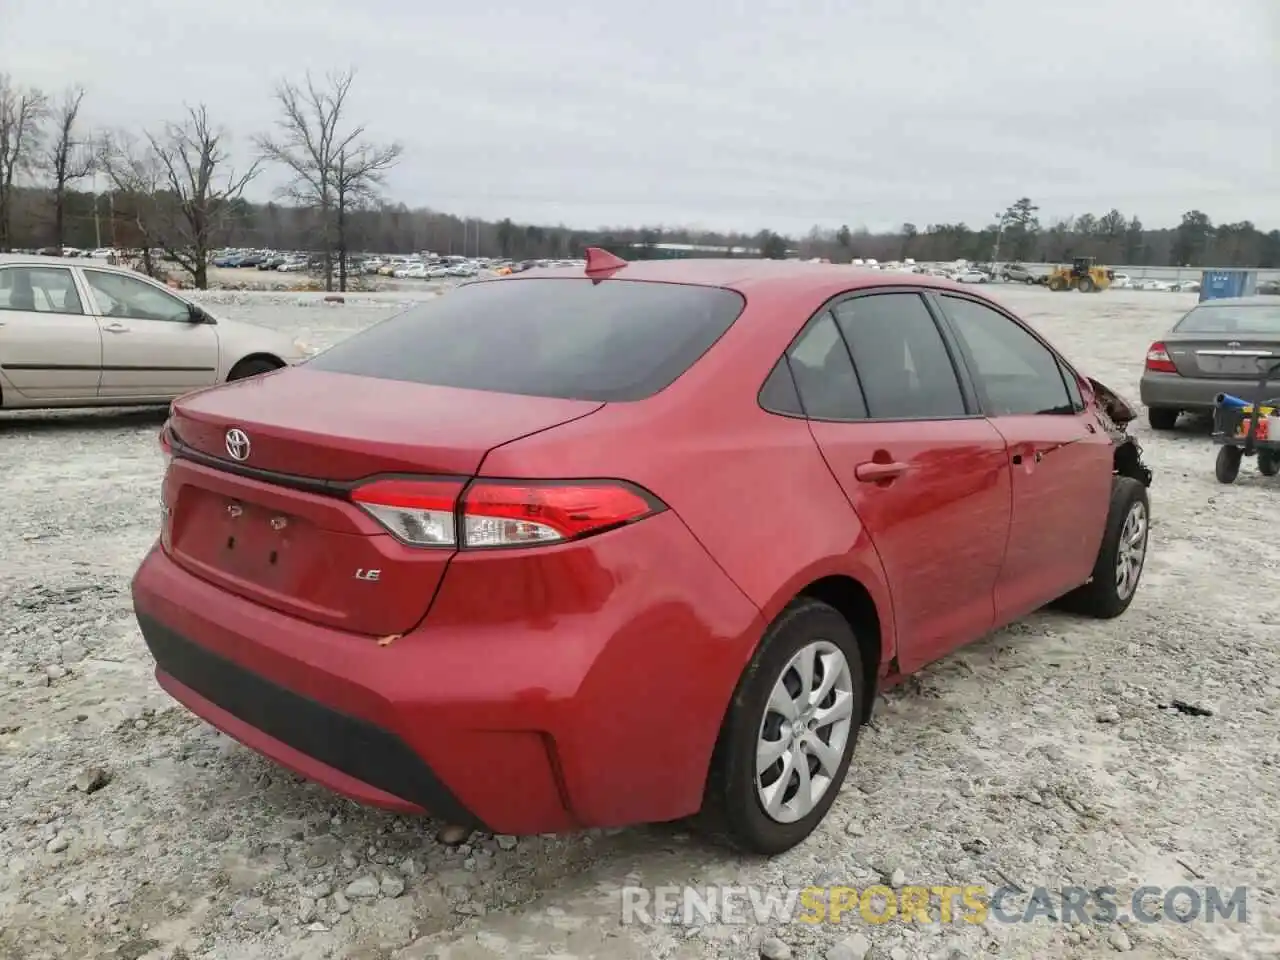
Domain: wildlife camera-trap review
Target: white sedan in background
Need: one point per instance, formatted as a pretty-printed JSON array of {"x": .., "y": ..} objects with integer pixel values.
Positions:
[
  {"x": 79, "y": 333},
  {"x": 970, "y": 276}
]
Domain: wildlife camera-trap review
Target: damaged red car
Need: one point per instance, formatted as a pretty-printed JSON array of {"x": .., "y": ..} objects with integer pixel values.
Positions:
[{"x": 574, "y": 549}]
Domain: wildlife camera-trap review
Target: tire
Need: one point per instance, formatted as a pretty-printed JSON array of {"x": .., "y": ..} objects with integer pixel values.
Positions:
[
  {"x": 1162, "y": 418},
  {"x": 734, "y": 804},
  {"x": 1227, "y": 467},
  {"x": 1268, "y": 463},
  {"x": 1106, "y": 596},
  {"x": 1086, "y": 285},
  {"x": 252, "y": 368},
  {"x": 1029, "y": 281}
]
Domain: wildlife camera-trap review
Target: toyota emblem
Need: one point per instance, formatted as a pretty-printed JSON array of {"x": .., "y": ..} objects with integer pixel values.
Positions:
[{"x": 238, "y": 445}]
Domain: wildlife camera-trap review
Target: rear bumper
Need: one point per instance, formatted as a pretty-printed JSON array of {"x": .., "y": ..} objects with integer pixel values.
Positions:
[
  {"x": 524, "y": 710},
  {"x": 347, "y": 754},
  {"x": 1190, "y": 393}
]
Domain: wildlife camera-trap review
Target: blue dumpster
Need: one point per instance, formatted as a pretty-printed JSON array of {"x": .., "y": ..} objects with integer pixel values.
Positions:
[{"x": 1217, "y": 284}]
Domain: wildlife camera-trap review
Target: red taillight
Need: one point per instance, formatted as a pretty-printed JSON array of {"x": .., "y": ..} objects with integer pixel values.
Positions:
[
  {"x": 166, "y": 512},
  {"x": 1158, "y": 360},
  {"x": 419, "y": 512},
  {"x": 500, "y": 513}
]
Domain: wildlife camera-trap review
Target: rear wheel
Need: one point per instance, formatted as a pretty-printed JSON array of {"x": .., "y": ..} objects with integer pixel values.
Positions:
[
  {"x": 1227, "y": 466},
  {"x": 789, "y": 732},
  {"x": 1086, "y": 285},
  {"x": 1162, "y": 418},
  {"x": 1268, "y": 463},
  {"x": 1121, "y": 558},
  {"x": 252, "y": 368}
]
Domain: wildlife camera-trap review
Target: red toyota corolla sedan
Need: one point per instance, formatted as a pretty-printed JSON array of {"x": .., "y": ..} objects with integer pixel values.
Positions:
[{"x": 562, "y": 550}]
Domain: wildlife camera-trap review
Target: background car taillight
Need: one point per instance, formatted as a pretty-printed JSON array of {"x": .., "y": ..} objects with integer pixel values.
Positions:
[
  {"x": 166, "y": 512},
  {"x": 501, "y": 513},
  {"x": 1158, "y": 360}
]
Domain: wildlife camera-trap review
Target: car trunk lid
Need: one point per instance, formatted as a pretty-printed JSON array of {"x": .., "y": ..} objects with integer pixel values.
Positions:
[
  {"x": 1220, "y": 356},
  {"x": 276, "y": 525}
]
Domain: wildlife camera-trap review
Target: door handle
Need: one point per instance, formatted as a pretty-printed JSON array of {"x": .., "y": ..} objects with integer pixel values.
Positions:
[
  {"x": 116, "y": 328},
  {"x": 875, "y": 472}
]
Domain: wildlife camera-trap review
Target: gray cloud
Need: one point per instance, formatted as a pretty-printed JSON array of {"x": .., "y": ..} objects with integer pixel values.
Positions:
[{"x": 733, "y": 115}]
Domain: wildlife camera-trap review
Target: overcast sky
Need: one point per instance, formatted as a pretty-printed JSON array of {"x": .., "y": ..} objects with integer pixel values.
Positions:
[{"x": 759, "y": 113}]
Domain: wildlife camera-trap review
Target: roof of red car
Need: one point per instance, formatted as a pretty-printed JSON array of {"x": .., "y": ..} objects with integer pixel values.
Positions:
[{"x": 748, "y": 276}]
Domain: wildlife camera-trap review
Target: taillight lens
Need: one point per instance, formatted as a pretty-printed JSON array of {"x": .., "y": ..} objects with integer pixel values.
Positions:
[
  {"x": 509, "y": 514},
  {"x": 500, "y": 513},
  {"x": 419, "y": 512},
  {"x": 166, "y": 443},
  {"x": 1158, "y": 360}
]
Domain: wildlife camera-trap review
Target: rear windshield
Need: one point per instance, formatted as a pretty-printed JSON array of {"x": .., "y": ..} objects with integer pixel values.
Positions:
[
  {"x": 1232, "y": 318},
  {"x": 575, "y": 339}
]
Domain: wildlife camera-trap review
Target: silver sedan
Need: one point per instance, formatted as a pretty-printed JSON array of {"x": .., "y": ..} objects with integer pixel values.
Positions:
[
  {"x": 1219, "y": 347},
  {"x": 79, "y": 333}
]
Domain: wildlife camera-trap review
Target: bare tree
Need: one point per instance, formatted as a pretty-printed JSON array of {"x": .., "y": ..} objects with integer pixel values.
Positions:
[
  {"x": 66, "y": 160},
  {"x": 134, "y": 178},
  {"x": 182, "y": 186},
  {"x": 21, "y": 113},
  {"x": 331, "y": 169}
]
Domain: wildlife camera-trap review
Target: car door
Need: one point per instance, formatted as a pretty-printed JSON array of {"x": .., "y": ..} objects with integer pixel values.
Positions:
[
  {"x": 925, "y": 473},
  {"x": 151, "y": 346},
  {"x": 1060, "y": 458},
  {"x": 50, "y": 348}
]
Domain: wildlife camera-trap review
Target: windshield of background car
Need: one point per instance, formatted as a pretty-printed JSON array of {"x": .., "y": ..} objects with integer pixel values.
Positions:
[
  {"x": 1232, "y": 318},
  {"x": 573, "y": 339}
]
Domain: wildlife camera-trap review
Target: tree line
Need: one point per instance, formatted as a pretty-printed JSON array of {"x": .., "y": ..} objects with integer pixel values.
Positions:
[{"x": 176, "y": 188}]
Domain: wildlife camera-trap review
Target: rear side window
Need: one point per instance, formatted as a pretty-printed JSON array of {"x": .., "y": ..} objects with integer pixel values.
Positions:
[
  {"x": 39, "y": 290},
  {"x": 901, "y": 358},
  {"x": 571, "y": 339},
  {"x": 824, "y": 374},
  {"x": 778, "y": 395}
]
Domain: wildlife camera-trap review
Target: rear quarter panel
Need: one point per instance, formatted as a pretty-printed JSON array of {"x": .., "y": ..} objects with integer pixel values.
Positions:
[{"x": 751, "y": 486}]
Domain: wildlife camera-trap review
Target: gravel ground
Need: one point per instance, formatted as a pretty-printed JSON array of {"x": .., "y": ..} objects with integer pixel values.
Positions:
[{"x": 1045, "y": 755}]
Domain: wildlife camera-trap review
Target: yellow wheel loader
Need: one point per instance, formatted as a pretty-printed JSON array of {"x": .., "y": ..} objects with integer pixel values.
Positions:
[{"x": 1082, "y": 274}]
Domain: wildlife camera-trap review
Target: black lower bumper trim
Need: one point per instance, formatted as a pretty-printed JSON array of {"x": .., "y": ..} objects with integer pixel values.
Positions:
[{"x": 355, "y": 747}]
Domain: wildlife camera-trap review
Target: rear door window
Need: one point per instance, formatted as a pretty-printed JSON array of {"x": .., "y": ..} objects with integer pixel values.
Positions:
[
  {"x": 901, "y": 358},
  {"x": 824, "y": 374},
  {"x": 39, "y": 290},
  {"x": 571, "y": 339}
]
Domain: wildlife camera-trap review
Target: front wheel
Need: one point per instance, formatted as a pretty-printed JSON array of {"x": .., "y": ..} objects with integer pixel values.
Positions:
[
  {"x": 1227, "y": 467},
  {"x": 1268, "y": 463},
  {"x": 1121, "y": 557},
  {"x": 790, "y": 730}
]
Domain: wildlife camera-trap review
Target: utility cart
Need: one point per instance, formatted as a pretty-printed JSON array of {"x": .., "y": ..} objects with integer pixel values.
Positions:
[{"x": 1243, "y": 428}]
